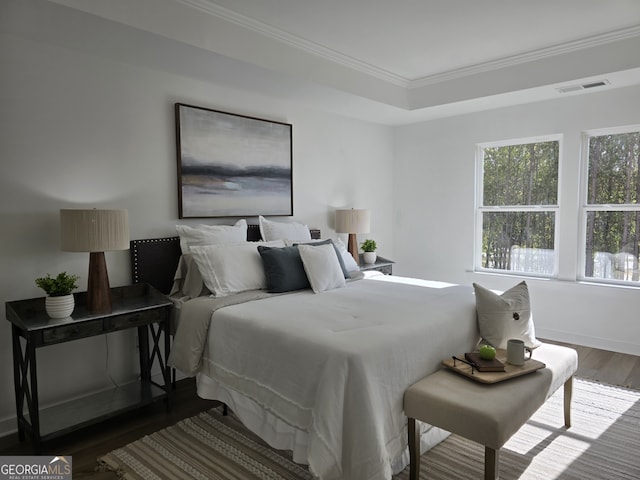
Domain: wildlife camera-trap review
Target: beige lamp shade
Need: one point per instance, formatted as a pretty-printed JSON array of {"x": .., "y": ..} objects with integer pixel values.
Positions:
[
  {"x": 94, "y": 230},
  {"x": 353, "y": 221}
]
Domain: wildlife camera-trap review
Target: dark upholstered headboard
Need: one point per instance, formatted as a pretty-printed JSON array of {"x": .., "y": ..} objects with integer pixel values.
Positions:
[{"x": 154, "y": 260}]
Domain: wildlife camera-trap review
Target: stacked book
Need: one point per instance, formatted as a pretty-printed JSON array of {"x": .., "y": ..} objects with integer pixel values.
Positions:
[{"x": 482, "y": 365}]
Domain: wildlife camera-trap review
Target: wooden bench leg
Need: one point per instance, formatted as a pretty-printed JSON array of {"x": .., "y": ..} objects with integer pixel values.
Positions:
[
  {"x": 414, "y": 449},
  {"x": 568, "y": 392},
  {"x": 491, "y": 461}
]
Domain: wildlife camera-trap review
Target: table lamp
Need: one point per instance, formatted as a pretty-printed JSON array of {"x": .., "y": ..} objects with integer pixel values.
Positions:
[
  {"x": 95, "y": 231},
  {"x": 353, "y": 221}
]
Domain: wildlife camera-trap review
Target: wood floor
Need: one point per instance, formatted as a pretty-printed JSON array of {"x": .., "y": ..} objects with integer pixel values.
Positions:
[
  {"x": 605, "y": 366},
  {"x": 88, "y": 444}
]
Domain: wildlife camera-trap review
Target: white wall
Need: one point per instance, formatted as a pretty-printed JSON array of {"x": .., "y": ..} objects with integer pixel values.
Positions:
[
  {"x": 434, "y": 182},
  {"x": 82, "y": 126}
]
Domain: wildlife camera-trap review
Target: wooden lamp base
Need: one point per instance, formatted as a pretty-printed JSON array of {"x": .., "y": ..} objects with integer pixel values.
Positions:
[
  {"x": 98, "y": 290},
  {"x": 352, "y": 247}
]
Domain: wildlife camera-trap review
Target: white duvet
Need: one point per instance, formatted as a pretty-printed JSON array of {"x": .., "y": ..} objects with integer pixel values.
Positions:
[{"x": 335, "y": 365}]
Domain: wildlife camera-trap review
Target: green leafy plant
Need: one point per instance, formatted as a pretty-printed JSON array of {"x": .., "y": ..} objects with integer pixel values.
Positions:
[
  {"x": 369, "y": 245},
  {"x": 63, "y": 284}
]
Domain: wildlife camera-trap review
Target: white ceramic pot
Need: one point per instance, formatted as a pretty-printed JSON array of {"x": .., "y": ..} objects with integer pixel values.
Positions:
[
  {"x": 369, "y": 257},
  {"x": 59, "y": 307}
]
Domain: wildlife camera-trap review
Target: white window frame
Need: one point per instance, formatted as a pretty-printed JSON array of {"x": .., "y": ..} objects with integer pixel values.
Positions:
[
  {"x": 480, "y": 208},
  {"x": 585, "y": 208}
]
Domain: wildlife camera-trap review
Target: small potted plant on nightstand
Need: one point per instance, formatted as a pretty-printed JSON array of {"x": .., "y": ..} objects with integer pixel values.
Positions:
[
  {"x": 369, "y": 248},
  {"x": 59, "y": 302}
]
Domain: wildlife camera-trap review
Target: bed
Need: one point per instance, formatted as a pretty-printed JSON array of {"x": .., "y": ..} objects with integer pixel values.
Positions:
[{"x": 321, "y": 375}]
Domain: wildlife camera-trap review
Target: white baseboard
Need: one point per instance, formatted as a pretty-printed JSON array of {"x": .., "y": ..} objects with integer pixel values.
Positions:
[{"x": 587, "y": 341}]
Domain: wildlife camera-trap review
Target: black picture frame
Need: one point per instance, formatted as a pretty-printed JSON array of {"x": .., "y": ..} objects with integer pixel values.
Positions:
[{"x": 232, "y": 165}]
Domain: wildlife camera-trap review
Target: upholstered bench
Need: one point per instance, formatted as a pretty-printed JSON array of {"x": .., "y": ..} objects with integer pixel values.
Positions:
[{"x": 487, "y": 414}]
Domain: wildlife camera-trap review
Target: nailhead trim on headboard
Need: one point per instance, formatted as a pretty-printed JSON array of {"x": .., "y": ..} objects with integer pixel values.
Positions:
[{"x": 154, "y": 260}]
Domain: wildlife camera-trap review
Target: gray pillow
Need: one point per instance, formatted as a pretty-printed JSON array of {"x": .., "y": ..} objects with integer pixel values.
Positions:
[
  {"x": 327, "y": 242},
  {"x": 283, "y": 269},
  {"x": 505, "y": 316}
]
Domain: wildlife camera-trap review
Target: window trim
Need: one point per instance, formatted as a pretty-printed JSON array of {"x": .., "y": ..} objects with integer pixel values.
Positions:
[
  {"x": 585, "y": 207},
  {"x": 480, "y": 208}
]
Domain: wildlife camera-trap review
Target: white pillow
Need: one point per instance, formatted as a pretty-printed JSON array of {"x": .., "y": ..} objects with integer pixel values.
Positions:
[
  {"x": 211, "y": 234},
  {"x": 283, "y": 231},
  {"x": 228, "y": 269},
  {"x": 328, "y": 241},
  {"x": 349, "y": 263},
  {"x": 322, "y": 267},
  {"x": 505, "y": 316}
]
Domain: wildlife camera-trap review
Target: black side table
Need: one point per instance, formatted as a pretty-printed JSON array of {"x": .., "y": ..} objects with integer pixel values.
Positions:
[{"x": 135, "y": 306}]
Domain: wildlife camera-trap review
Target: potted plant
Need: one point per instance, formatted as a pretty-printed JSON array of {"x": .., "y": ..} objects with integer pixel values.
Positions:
[
  {"x": 59, "y": 302},
  {"x": 369, "y": 248}
]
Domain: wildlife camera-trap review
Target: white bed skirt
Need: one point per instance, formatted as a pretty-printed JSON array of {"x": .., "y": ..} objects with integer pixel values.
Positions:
[{"x": 282, "y": 436}]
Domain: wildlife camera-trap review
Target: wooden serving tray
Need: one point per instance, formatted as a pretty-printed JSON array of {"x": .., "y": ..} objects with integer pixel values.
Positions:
[{"x": 511, "y": 371}]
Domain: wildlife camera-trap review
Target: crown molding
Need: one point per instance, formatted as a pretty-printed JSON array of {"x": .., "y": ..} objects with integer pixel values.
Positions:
[
  {"x": 211, "y": 8},
  {"x": 295, "y": 41},
  {"x": 531, "y": 56}
]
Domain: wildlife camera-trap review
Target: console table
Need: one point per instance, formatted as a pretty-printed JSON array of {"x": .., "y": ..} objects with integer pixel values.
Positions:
[{"x": 135, "y": 306}]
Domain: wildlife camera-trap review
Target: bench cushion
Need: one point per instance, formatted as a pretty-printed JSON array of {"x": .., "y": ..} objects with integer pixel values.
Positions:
[{"x": 489, "y": 414}]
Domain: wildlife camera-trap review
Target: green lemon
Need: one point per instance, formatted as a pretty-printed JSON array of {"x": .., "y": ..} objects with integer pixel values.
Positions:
[{"x": 487, "y": 352}]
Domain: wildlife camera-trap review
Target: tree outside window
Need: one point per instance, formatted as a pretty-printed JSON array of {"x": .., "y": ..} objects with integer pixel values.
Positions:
[
  {"x": 517, "y": 206},
  {"x": 612, "y": 208}
]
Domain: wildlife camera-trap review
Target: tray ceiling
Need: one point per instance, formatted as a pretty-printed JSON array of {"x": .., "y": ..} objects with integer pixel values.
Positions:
[{"x": 405, "y": 60}]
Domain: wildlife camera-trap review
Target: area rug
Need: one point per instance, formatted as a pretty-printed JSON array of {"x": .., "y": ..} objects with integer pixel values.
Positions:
[{"x": 603, "y": 443}]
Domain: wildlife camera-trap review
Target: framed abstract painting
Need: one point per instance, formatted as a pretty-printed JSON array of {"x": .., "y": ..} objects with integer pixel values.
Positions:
[{"x": 232, "y": 165}]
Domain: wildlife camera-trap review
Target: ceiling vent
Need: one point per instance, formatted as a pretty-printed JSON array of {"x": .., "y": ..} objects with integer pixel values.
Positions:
[{"x": 584, "y": 86}]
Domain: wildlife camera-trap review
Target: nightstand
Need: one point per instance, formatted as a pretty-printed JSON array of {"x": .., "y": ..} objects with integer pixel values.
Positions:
[
  {"x": 382, "y": 264},
  {"x": 135, "y": 306}
]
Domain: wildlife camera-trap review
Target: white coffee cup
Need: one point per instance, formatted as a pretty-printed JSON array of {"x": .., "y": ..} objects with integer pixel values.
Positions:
[{"x": 515, "y": 352}]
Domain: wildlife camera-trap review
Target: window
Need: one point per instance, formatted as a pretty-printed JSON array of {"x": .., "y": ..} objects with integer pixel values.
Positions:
[
  {"x": 517, "y": 206},
  {"x": 611, "y": 213}
]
